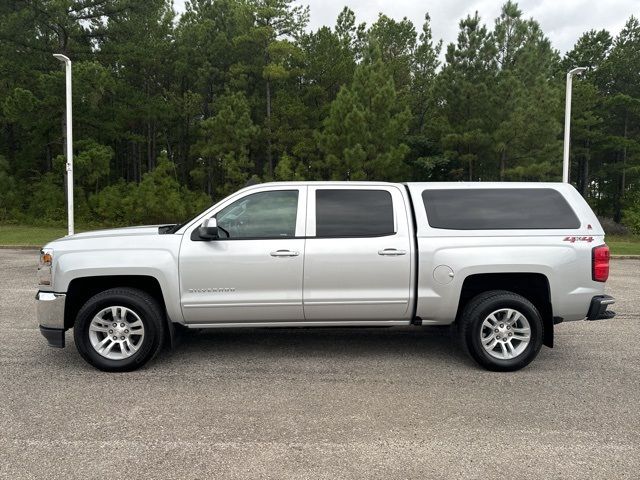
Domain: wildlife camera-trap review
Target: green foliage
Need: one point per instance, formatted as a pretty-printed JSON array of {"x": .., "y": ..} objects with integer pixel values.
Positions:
[
  {"x": 362, "y": 136},
  {"x": 8, "y": 192},
  {"x": 112, "y": 205},
  {"x": 30, "y": 235},
  {"x": 19, "y": 106},
  {"x": 502, "y": 109},
  {"x": 396, "y": 42},
  {"x": 171, "y": 112},
  {"x": 631, "y": 216},
  {"x": 159, "y": 198},
  {"x": 223, "y": 146},
  {"x": 92, "y": 162},
  {"x": 47, "y": 201},
  {"x": 289, "y": 169}
]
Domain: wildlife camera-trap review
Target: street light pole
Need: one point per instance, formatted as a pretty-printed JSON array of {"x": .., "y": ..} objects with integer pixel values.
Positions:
[
  {"x": 69, "y": 165},
  {"x": 567, "y": 122}
]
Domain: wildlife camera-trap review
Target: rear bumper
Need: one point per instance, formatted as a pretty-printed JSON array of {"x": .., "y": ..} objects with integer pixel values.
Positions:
[
  {"x": 598, "y": 308},
  {"x": 50, "y": 313}
]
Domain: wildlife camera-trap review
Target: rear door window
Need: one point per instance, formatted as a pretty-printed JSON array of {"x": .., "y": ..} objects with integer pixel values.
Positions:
[
  {"x": 354, "y": 213},
  {"x": 498, "y": 209}
]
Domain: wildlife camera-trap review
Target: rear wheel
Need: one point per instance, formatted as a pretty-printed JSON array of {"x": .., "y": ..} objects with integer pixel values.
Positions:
[
  {"x": 501, "y": 330},
  {"x": 119, "y": 329}
]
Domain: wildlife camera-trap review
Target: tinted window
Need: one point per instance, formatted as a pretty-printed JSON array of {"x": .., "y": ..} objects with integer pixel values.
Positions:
[
  {"x": 261, "y": 215},
  {"x": 353, "y": 213},
  {"x": 497, "y": 209}
]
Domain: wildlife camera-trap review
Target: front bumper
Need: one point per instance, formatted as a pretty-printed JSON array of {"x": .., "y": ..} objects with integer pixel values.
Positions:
[
  {"x": 598, "y": 308},
  {"x": 50, "y": 313},
  {"x": 54, "y": 336}
]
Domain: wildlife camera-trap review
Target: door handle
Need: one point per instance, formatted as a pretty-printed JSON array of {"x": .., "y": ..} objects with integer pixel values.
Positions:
[
  {"x": 392, "y": 252},
  {"x": 284, "y": 253}
]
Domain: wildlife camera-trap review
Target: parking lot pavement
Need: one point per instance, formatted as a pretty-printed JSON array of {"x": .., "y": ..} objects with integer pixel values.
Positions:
[{"x": 341, "y": 403}]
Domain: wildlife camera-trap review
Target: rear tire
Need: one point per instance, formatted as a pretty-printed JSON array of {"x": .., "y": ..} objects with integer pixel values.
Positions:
[
  {"x": 119, "y": 329},
  {"x": 501, "y": 330}
]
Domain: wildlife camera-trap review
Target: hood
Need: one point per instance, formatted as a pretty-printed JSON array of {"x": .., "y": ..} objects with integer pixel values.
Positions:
[{"x": 149, "y": 230}]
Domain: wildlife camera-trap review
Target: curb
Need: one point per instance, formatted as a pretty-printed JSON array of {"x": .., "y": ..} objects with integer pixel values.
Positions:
[{"x": 625, "y": 257}]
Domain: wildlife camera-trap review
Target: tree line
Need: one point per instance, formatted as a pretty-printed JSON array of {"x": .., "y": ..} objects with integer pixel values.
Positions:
[{"x": 172, "y": 112}]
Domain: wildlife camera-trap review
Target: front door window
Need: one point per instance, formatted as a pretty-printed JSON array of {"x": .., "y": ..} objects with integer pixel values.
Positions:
[{"x": 260, "y": 215}]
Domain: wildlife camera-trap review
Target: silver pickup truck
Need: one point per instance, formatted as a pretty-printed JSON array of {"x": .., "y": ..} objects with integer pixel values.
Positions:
[{"x": 500, "y": 262}]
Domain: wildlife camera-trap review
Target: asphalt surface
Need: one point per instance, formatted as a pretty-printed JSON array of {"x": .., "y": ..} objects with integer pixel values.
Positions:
[{"x": 342, "y": 403}]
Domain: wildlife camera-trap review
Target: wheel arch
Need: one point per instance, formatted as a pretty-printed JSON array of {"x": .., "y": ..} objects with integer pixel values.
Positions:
[
  {"x": 83, "y": 288},
  {"x": 533, "y": 286}
]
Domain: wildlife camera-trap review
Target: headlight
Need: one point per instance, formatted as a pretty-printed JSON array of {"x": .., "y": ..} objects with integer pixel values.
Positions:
[{"x": 44, "y": 266}]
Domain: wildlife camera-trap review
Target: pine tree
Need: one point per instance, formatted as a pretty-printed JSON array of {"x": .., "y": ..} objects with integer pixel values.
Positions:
[
  {"x": 362, "y": 138},
  {"x": 425, "y": 156},
  {"x": 590, "y": 51},
  {"x": 525, "y": 104},
  {"x": 278, "y": 24},
  {"x": 396, "y": 41},
  {"x": 463, "y": 90},
  {"x": 223, "y": 147},
  {"x": 619, "y": 73}
]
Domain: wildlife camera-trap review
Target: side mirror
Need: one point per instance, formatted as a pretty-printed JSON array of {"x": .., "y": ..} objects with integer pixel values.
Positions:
[{"x": 209, "y": 229}]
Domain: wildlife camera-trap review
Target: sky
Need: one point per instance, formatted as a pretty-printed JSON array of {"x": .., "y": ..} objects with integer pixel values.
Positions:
[{"x": 563, "y": 21}]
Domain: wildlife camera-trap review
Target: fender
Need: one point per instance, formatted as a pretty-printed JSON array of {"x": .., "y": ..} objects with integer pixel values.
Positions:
[{"x": 151, "y": 260}]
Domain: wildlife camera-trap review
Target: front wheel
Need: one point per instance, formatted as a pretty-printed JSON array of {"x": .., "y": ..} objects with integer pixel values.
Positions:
[
  {"x": 501, "y": 330},
  {"x": 119, "y": 329}
]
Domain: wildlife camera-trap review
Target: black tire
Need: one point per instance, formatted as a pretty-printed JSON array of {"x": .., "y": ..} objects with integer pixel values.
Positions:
[
  {"x": 479, "y": 308},
  {"x": 140, "y": 302}
]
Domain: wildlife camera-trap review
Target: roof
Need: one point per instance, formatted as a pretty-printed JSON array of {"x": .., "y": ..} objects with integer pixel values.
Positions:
[{"x": 438, "y": 185}]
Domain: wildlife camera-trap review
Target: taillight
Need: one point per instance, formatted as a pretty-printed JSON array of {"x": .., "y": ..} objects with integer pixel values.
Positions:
[{"x": 600, "y": 263}]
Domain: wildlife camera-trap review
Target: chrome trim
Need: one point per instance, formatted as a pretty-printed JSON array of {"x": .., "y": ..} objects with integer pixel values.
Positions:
[
  {"x": 358, "y": 302},
  {"x": 392, "y": 252},
  {"x": 285, "y": 253},
  {"x": 249, "y": 304},
  {"x": 50, "y": 309},
  {"x": 353, "y": 323}
]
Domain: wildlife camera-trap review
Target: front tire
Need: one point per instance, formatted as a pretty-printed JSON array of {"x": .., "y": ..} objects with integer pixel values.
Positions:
[
  {"x": 119, "y": 329},
  {"x": 501, "y": 330}
]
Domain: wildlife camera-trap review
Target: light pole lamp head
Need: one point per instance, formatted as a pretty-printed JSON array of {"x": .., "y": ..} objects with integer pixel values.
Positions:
[
  {"x": 577, "y": 71},
  {"x": 62, "y": 58}
]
